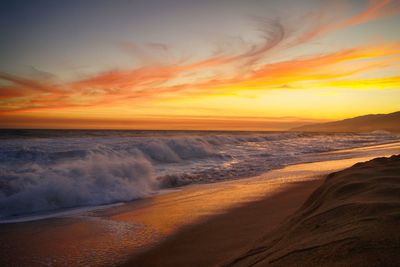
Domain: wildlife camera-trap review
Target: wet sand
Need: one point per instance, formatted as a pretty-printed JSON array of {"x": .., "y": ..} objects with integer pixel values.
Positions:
[
  {"x": 352, "y": 219},
  {"x": 224, "y": 236},
  {"x": 199, "y": 224}
]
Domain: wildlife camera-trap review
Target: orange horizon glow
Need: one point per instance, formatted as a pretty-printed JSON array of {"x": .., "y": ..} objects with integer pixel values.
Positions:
[{"x": 274, "y": 84}]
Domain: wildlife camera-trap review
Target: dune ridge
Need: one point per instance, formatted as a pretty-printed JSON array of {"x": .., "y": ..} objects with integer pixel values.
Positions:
[{"x": 352, "y": 219}]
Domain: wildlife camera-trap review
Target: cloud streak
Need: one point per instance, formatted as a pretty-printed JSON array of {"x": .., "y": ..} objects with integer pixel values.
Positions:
[
  {"x": 255, "y": 68},
  {"x": 376, "y": 9}
]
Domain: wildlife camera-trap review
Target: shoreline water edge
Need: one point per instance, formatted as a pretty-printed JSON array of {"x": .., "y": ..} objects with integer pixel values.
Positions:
[
  {"x": 115, "y": 234},
  {"x": 51, "y": 172}
]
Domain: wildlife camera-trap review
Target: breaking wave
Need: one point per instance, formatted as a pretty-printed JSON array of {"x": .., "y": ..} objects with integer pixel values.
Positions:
[
  {"x": 49, "y": 173},
  {"x": 96, "y": 179}
]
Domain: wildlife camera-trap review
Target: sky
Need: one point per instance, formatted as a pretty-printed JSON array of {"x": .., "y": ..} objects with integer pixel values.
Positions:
[{"x": 201, "y": 65}]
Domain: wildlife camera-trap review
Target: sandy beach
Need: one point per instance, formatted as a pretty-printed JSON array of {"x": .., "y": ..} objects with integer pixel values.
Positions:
[
  {"x": 241, "y": 233},
  {"x": 230, "y": 133},
  {"x": 222, "y": 237},
  {"x": 198, "y": 225},
  {"x": 352, "y": 219}
]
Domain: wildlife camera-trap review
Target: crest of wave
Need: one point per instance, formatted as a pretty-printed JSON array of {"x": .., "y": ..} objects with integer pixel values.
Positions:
[{"x": 99, "y": 178}]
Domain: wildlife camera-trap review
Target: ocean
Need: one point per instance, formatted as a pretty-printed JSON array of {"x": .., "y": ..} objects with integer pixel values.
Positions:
[{"x": 53, "y": 170}]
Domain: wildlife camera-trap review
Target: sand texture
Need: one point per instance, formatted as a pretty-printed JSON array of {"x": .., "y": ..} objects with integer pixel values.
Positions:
[
  {"x": 199, "y": 225},
  {"x": 221, "y": 237},
  {"x": 352, "y": 219}
]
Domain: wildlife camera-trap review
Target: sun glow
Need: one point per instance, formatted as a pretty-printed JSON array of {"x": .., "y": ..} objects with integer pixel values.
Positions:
[{"x": 249, "y": 80}]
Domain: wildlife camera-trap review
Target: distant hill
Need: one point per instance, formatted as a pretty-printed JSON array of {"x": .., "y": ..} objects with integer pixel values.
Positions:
[{"x": 368, "y": 123}]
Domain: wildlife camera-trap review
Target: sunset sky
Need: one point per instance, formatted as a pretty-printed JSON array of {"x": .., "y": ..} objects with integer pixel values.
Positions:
[{"x": 182, "y": 64}]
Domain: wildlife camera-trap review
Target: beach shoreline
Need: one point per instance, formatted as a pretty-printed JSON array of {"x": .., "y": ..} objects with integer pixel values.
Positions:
[
  {"x": 210, "y": 242},
  {"x": 350, "y": 220},
  {"x": 213, "y": 242},
  {"x": 129, "y": 232}
]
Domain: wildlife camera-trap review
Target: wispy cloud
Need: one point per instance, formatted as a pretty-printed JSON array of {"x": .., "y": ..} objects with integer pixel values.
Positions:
[
  {"x": 376, "y": 9},
  {"x": 255, "y": 67}
]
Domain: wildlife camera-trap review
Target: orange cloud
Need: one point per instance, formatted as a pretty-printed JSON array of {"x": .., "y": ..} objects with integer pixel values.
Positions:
[
  {"x": 376, "y": 9},
  {"x": 150, "y": 82},
  {"x": 217, "y": 74}
]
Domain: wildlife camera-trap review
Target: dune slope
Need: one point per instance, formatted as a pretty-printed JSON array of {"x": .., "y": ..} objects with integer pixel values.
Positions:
[{"x": 352, "y": 219}]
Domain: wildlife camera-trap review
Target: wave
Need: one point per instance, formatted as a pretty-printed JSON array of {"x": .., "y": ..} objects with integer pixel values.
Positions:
[
  {"x": 97, "y": 179},
  {"x": 52, "y": 173},
  {"x": 57, "y": 174}
]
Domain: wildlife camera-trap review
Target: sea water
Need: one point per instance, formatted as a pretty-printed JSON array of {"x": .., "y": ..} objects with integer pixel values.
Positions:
[{"x": 53, "y": 170}]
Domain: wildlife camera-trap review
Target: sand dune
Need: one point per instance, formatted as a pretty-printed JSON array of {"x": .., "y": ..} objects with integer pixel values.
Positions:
[{"x": 352, "y": 219}]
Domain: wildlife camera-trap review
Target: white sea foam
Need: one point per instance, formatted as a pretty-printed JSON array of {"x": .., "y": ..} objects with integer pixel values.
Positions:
[
  {"x": 58, "y": 172},
  {"x": 96, "y": 179}
]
